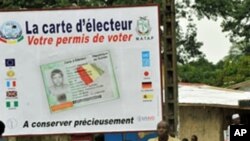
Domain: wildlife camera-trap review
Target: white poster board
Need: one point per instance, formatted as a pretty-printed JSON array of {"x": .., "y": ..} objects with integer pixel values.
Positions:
[{"x": 80, "y": 70}]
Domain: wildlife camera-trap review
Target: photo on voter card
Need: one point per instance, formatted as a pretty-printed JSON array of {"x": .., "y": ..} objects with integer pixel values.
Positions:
[
  {"x": 79, "y": 81},
  {"x": 57, "y": 87}
]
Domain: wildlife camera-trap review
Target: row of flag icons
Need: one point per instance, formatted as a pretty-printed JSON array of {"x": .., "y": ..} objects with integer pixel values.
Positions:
[
  {"x": 11, "y": 99},
  {"x": 147, "y": 85},
  {"x": 11, "y": 83}
]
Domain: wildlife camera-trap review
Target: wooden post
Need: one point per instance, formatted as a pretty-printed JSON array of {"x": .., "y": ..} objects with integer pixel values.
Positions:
[{"x": 170, "y": 106}]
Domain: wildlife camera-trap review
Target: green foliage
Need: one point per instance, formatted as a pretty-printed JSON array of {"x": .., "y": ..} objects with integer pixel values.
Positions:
[
  {"x": 237, "y": 21},
  {"x": 188, "y": 47},
  {"x": 200, "y": 71},
  {"x": 233, "y": 69},
  {"x": 236, "y": 69},
  {"x": 213, "y": 8},
  {"x": 235, "y": 14}
]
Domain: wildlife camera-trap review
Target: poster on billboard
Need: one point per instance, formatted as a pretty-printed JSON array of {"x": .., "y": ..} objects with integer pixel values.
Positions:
[{"x": 80, "y": 70}]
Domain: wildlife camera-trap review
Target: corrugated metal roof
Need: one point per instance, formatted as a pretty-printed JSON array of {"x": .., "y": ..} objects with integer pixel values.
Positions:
[{"x": 199, "y": 94}]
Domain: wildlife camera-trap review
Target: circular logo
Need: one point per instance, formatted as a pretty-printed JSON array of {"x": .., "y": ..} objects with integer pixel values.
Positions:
[
  {"x": 143, "y": 26},
  {"x": 11, "y": 123},
  {"x": 10, "y": 73},
  {"x": 146, "y": 73},
  {"x": 10, "y": 30}
]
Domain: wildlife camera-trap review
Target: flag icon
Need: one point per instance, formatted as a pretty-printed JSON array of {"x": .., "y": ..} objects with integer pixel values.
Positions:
[
  {"x": 11, "y": 83},
  {"x": 148, "y": 97},
  {"x": 11, "y": 94},
  {"x": 146, "y": 73},
  {"x": 10, "y": 62},
  {"x": 89, "y": 73},
  {"x": 146, "y": 85},
  {"x": 10, "y": 73},
  {"x": 145, "y": 56},
  {"x": 12, "y": 104}
]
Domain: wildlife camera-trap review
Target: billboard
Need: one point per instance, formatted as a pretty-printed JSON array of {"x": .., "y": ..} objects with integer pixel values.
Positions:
[{"x": 80, "y": 70}]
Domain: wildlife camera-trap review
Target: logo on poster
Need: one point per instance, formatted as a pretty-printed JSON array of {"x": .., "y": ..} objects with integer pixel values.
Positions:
[
  {"x": 11, "y": 94},
  {"x": 145, "y": 56},
  {"x": 12, "y": 104},
  {"x": 12, "y": 123},
  {"x": 10, "y": 62},
  {"x": 143, "y": 26},
  {"x": 146, "y": 118},
  {"x": 10, "y": 73},
  {"x": 143, "y": 29},
  {"x": 11, "y": 32}
]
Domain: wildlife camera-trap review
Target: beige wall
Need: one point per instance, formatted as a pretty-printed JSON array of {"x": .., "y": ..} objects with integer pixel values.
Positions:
[{"x": 205, "y": 122}]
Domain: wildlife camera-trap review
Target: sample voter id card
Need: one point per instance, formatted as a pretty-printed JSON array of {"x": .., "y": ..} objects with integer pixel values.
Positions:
[{"x": 80, "y": 81}]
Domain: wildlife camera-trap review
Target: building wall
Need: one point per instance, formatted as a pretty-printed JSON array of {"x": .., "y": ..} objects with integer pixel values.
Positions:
[{"x": 205, "y": 122}]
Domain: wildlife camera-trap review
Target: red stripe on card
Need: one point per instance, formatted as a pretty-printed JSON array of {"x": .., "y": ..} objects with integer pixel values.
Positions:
[{"x": 84, "y": 75}]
